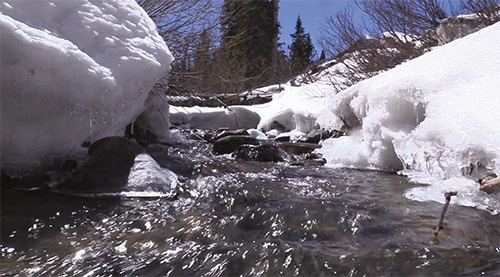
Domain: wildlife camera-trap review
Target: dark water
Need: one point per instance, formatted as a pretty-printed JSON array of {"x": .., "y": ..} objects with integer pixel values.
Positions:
[{"x": 247, "y": 219}]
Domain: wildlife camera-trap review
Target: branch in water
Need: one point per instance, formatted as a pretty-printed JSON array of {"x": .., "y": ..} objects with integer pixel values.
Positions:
[{"x": 448, "y": 196}]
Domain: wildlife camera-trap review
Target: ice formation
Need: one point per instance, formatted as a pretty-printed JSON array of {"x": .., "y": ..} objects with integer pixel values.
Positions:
[
  {"x": 72, "y": 71},
  {"x": 434, "y": 117}
]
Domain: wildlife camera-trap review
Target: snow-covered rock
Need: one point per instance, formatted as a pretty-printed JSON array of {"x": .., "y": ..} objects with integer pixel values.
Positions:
[
  {"x": 117, "y": 166},
  {"x": 232, "y": 117},
  {"x": 72, "y": 71},
  {"x": 456, "y": 27}
]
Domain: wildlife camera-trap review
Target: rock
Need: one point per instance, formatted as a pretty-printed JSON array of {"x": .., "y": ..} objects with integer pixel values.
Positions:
[
  {"x": 229, "y": 144},
  {"x": 456, "y": 27},
  {"x": 117, "y": 164},
  {"x": 317, "y": 135},
  {"x": 226, "y": 133},
  {"x": 298, "y": 148},
  {"x": 69, "y": 165},
  {"x": 310, "y": 159},
  {"x": 309, "y": 162},
  {"x": 262, "y": 153}
]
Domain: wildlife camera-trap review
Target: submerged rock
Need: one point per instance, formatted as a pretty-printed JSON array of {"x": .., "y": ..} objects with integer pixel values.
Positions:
[{"x": 119, "y": 165}]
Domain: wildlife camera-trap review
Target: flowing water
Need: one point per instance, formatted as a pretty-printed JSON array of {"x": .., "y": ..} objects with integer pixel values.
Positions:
[{"x": 234, "y": 218}]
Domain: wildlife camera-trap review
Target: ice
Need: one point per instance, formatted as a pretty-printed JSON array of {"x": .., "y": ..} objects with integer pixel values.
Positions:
[
  {"x": 73, "y": 71},
  {"x": 434, "y": 117}
]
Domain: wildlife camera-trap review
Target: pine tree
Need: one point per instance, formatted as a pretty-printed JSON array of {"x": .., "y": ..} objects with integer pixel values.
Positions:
[
  {"x": 249, "y": 34},
  {"x": 301, "y": 50},
  {"x": 322, "y": 57},
  {"x": 202, "y": 51}
]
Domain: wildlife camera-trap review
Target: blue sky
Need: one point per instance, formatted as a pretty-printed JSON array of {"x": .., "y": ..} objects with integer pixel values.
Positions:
[{"x": 312, "y": 13}]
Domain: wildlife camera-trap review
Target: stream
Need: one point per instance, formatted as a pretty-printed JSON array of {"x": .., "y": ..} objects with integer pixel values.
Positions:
[{"x": 238, "y": 218}]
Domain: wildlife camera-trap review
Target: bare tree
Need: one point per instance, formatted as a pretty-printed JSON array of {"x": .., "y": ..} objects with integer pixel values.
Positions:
[
  {"x": 387, "y": 37},
  {"x": 184, "y": 25},
  {"x": 487, "y": 10},
  {"x": 394, "y": 31}
]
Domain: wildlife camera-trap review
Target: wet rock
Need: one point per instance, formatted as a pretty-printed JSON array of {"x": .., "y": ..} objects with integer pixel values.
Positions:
[
  {"x": 32, "y": 180},
  {"x": 317, "y": 135},
  {"x": 282, "y": 138},
  {"x": 117, "y": 164},
  {"x": 69, "y": 165},
  {"x": 227, "y": 133},
  {"x": 298, "y": 148},
  {"x": 262, "y": 153},
  {"x": 253, "y": 220},
  {"x": 310, "y": 159},
  {"x": 229, "y": 144},
  {"x": 309, "y": 162}
]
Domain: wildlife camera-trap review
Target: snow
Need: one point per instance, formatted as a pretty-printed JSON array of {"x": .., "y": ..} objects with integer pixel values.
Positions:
[
  {"x": 233, "y": 117},
  {"x": 73, "y": 71},
  {"x": 81, "y": 70},
  {"x": 434, "y": 119}
]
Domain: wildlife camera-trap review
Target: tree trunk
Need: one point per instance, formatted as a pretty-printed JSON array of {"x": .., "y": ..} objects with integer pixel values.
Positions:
[{"x": 274, "y": 53}]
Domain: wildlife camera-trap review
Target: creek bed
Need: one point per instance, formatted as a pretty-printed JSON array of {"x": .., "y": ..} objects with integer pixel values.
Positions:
[{"x": 235, "y": 218}]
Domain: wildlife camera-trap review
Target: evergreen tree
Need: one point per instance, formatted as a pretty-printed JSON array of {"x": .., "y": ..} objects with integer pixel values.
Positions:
[
  {"x": 322, "y": 57},
  {"x": 249, "y": 34},
  {"x": 202, "y": 51},
  {"x": 301, "y": 50}
]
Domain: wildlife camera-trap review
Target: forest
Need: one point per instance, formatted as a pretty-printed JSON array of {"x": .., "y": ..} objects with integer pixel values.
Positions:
[{"x": 229, "y": 46}]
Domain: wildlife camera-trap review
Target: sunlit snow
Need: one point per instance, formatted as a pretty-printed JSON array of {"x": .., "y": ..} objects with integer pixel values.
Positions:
[
  {"x": 434, "y": 118},
  {"x": 72, "y": 71}
]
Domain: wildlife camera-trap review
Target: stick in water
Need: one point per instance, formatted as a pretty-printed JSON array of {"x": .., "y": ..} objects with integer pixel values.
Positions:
[{"x": 448, "y": 196}]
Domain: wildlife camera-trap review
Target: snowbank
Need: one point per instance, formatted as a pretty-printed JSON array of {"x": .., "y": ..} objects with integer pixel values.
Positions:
[
  {"x": 294, "y": 110},
  {"x": 233, "y": 117},
  {"x": 72, "y": 71},
  {"x": 435, "y": 117}
]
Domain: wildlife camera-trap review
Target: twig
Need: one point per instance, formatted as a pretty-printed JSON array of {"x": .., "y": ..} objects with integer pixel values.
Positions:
[
  {"x": 229, "y": 109},
  {"x": 448, "y": 196}
]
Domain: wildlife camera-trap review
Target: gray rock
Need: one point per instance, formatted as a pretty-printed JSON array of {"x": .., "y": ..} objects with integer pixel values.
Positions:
[
  {"x": 119, "y": 165},
  {"x": 298, "y": 148},
  {"x": 227, "y": 133},
  {"x": 456, "y": 27},
  {"x": 317, "y": 135},
  {"x": 229, "y": 144},
  {"x": 262, "y": 153}
]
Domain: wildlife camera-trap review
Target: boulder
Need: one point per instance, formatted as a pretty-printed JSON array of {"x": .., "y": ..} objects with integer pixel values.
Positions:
[
  {"x": 298, "y": 148},
  {"x": 452, "y": 28},
  {"x": 115, "y": 165},
  {"x": 262, "y": 153},
  {"x": 229, "y": 144},
  {"x": 226, "y": 133},
  {"x": 317, "y": 135}
]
